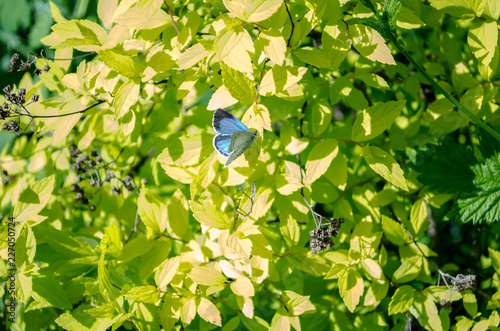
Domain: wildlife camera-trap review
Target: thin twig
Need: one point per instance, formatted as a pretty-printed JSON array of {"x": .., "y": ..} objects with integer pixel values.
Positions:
[
  {"x": 293, "y": 25},
  {"x": 171, "y": 16}
]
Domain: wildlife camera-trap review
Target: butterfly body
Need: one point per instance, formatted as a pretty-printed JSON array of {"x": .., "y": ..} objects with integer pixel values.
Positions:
[{"x": 233, "y": 138}]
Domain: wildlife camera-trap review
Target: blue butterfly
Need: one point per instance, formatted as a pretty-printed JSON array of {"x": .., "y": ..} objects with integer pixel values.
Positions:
[{"x": 233, "y": 137}]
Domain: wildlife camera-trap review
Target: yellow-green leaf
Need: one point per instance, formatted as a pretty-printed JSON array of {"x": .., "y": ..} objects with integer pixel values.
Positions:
[
  {"x": 238, "y": 85},
  {"x": 274, "y": 45},
  {"x": 221, "y": 99},
  {"x": 320, "y": 158},
  {"x": 166, "y": 272},
  {"x": 252, "y": 10},
  {"x": 207, "y": 276},
  {"x": 351, "y": 288},
  {"x": 121, "y": 63},
  {"x": 233, "y": 47},
  {"x": 208, "y": 214},
  {"x": 243, "y": 286},
  {"x": 385, "y": 165},
  {"x": 257, "y": 117},
  {"x": 192, "y": 56},
  {"x": 370, "y": 44},
  {"x": 482, "y": 39},
  {"x": 402, "y": 300},
  {"x": 33, "y": 199},
  {"x": 126, "y": 96},
  {"x": 209, "y": 312},
  {"x": 280, "y": 78},
  {"x": 152, "y": 210},
  {"x": 418, "y": 217}
]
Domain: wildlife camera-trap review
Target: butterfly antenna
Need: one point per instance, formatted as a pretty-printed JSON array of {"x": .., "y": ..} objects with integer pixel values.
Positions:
[{"x": 252, "y": 199}]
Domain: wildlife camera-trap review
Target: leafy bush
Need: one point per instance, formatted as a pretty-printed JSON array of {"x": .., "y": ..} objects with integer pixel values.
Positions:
[{"x": 369, "y": 199}]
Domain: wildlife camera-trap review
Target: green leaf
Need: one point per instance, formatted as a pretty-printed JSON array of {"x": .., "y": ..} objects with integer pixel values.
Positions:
[
  {"x": 321, "y": 117},
  {"x": 121, "y": 63},
  {"x": 470, "y": 302},
  {"x": 252, "y": 10},
  {"x": 290, "y": 230},
  {"x": 343, "y": 88},
  {"x": 394, "y": 231},
  {"x": 313, "y": 56},
  {"x": 336, "y": 42},
  {"x": 376, "y": 119},
  {"x": 483, "y": 204},
  {"x": 33, "y": 199},
  {"x": 402, "y": 300},
  {"x": 110, "y": 293},
  {"x": 409, "y": 270},
  {"x": 376, "y": 293},
  {"x": 238, "y": 85},
  {"x": 385, "y": 165},
  {"x": 320, "y": 158},
  {"x": 152, "y": 210},
  {"x": 84, "y": 35},
  {"x": 426, "y": 312},
  {"x": 146, "y": 294},
  {"x": 446, "y": 163}
]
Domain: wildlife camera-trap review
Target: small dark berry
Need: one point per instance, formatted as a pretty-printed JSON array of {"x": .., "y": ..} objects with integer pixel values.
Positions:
[
  {"x": 34, "y": 97},
  {"x": 79, "y": 195},
  {"x": 7, "y": 89},
  {"x": 144, "y": 181},
  {"x": 74, "y": 188},
  {"x": 92, "y": 163},
  {"x": 93, "y": 153},
  {"x": 11, "y": 69},
  {"x": 85, "y": 201},
  {"x": 92, "y": 207},
  {"x": 98, "y": 159},
  {"x": 78, "y": 179},
  {"x": 46, "y": 68},
  {"x": 38, "y": 71},
  {"x": 21, "y": 91}
]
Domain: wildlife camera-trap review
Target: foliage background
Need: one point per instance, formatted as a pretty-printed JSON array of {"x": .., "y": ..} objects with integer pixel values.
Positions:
[{"x": 347, "y": 124}]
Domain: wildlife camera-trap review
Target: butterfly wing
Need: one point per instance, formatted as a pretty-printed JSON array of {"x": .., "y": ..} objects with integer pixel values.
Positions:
[
  {"x": 221, "y": 144},
  {"x": 240, "y": 142},
  {"x": 239, "y": 138},
  {"x": 225, "y": 123}
]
